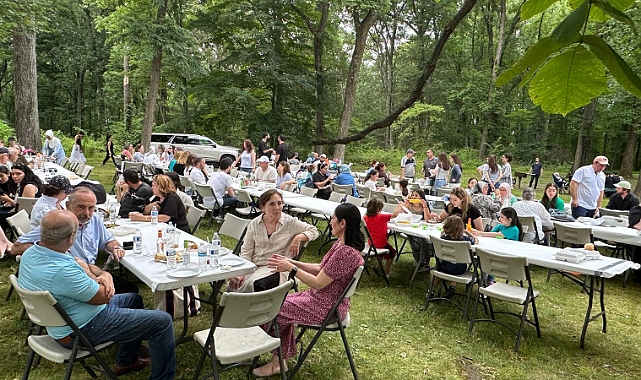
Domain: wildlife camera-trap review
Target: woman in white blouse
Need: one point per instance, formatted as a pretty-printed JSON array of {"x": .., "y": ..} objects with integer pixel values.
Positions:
[{"x": 272, "y": 232}]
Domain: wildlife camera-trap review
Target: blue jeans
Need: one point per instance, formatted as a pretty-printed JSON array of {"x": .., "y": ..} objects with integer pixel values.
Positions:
[
  {"x": 581, "y": 211},
  {"x": 439, "y": 183},
  {"x": 247, "y": 170},
  {"x": 126, "y": 322}
]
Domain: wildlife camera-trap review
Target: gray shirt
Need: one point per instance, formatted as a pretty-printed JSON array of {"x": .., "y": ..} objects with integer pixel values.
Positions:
[{"x": 429, "y": 164}]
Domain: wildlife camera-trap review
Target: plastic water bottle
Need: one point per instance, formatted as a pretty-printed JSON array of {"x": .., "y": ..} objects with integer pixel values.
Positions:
[
  {"x": 215, "y": 252},
  {"x": 112, "y": 213},
  {"x": 202, "y": 257},
  {"x": 137, "y": 242},
  {"x": 154, "y": 216},
  {"x": 170, "y": 251},
  {"x": 186, "y": 255}
]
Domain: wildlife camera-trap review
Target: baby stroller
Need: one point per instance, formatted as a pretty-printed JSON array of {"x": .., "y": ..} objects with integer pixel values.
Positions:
[{"x": 561, "y": 182}]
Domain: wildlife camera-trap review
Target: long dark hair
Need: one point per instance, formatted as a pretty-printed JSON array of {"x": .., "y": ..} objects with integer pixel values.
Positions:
[
  {"x": 491, "y": 162},
  {"x": 443, "y": 162},
  {"x": 29, "y": 178},
  {"x": 457, "y": 161},
  {"x": 547, "y": 202},
  {"x": 370, "y": 174},
  {"x": 352, "y": 217},
  {"x": 510, "y": 213}
]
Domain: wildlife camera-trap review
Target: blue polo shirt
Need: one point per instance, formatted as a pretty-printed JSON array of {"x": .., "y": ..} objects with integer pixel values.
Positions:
[
  {"x": 89, "y": 239},
  {"x": 58, "y": 273}
]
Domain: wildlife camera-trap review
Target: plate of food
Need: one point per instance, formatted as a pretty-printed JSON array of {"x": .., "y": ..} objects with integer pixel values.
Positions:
[
  {"x": 162, "y": 258},
  {"x": 184, "y": 271},
  {"x": 231, "y": 260}
]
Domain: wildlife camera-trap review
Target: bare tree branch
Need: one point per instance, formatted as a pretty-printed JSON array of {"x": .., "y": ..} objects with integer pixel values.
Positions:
[{"x": 428, "y": 69}]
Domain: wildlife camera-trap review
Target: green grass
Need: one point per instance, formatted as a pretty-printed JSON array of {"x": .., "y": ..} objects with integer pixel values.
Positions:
[{"x": 392, "y": 338}]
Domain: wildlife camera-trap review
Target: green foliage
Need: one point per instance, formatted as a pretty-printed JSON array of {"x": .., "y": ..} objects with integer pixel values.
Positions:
[
  {"x": 5, "y": 130},
  {"x": 573, "y": 75},
  {"x": 581, "y": 73}
]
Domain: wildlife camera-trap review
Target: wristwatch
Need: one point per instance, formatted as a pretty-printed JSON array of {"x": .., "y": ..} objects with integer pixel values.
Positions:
[{"x": 293, "y": 272}]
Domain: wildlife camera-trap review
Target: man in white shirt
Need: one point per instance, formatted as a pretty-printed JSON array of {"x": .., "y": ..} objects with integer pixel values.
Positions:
[
  {"x": 197, "y": 174},
  {"x": 4, "y": 157},
  {"x": 530, "y": 207},
  {"x": 221, "y": 184},
  {"x": 408, "y": 164},
  {"x": 586, "y": 188},
  {"x": 264, "y": 172}
]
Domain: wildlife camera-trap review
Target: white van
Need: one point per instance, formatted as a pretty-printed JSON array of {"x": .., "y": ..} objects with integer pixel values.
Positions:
[{"x": 199, "y": 145}]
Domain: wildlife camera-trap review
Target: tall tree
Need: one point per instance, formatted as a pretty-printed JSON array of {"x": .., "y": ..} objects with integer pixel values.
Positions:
[{"x": 25, "y": 84}]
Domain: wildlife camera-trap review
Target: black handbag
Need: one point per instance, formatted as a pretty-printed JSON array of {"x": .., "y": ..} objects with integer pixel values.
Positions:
[{"x": 130, "y": 203}]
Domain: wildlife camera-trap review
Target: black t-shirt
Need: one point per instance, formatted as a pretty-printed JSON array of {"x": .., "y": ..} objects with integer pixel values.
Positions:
[
  {"x": 618, "y": 203},
  {"x": 179, "y": 168},
  {"x": 143, "y": 192},
  {"x": 322, "y": 193},
  {"x": 282, "y": 150},
  {"x": 536, "y": 168},
  {"x": 635, "y": 216},
  {"x": 262, "y": 148},
  {"x": 174, "y": 208},
  {"x": 472, "y": 212}
]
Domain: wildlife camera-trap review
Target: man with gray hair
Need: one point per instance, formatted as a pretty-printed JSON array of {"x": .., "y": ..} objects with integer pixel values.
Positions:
[
  {"x": 530, "y": 207},
  {"x": 92, "y": 236},
  {"x": 87, "y": 295}
]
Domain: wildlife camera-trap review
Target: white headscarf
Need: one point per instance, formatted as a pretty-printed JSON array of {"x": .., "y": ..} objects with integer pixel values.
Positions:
[{"x": 53, "y": 142}]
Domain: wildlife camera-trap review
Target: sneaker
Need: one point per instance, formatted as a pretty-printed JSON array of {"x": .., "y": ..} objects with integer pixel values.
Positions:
[{"x": 451, "y": 291}]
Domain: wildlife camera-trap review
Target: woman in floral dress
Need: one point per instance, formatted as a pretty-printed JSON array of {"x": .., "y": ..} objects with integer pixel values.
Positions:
[{"x": 327, "y": 282}]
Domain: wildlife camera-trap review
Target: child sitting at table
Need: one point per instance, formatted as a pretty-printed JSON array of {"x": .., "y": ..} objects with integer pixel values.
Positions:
[
  {"x": 376, "y": 223},
  {"x": 509, "y": 227},
  {"x": 454, "y": 229}
]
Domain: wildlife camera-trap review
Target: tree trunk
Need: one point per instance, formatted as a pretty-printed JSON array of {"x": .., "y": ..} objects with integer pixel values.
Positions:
[
  {"x": 154, "y": 82},
  {"x": 126, "y": 93},
  {"x": 361, "y": 31},
  {"x": 581, "y": 154},
  {"x": 25, "y": 88},
  {"x": 630, "y": 143},
  {"x": 80, "y": 97}
]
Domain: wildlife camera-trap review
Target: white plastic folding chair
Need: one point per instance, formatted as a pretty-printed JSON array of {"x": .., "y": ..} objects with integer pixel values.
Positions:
[
  {"x": 250, "y": 209},
  {"x": 513, "y": 268},
  {"x": 354, "y": 201},
  {"x": 19, "y": 223},
  {"x": 331, "y": 322},
  {"x": 25, "y": 203},
  {"x": 371, "y": 252},
  {"x": 364, "y": 192},
  {"x": 455, "y": 252},
  {"x": 236, "y": 334},
  {"x": 86, "y": 172},
  {"x": 194, "y": 217},
  {"x": 615, "y": 213},
  {"x": 45, "y": 311},
  {"x": 235, "y": 228},
  {"x": 344, "y": 189}
]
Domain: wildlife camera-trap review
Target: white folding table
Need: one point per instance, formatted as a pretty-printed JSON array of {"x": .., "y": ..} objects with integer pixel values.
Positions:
[
  {"x": 155, "y": 274},
  {"x": 543, "y": 256}
]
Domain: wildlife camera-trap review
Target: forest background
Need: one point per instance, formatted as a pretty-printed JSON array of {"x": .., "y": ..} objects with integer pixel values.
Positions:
[{"x": 319, "y": 72}]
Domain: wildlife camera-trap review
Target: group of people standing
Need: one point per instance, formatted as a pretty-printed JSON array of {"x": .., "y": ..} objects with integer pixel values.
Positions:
[{"x": 441, "y": 169}]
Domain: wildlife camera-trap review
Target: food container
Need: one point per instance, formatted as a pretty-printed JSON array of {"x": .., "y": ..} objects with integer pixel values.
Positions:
[{"x": 571, "y": 255}]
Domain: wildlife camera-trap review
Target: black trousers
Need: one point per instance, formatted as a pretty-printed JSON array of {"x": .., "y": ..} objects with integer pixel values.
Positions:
[
  {"x": 266, "y": 283},
  {"x": 121, "y": 286}
]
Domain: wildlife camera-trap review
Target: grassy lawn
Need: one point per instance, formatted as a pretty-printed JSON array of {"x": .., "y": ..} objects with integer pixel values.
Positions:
[{"x": 392, "y": 338}]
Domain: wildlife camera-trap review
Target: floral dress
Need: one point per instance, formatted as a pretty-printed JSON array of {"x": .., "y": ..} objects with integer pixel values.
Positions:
[{"x": 311, "y": 306}]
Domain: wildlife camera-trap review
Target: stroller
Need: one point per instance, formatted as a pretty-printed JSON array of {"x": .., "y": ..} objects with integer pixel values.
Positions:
[{"x": 561, "y": 182}]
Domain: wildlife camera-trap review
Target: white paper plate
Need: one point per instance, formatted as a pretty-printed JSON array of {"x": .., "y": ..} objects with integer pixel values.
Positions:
[
  {"x": 231, "y": 260},
  {"x": 184, "y": 272},
  {"x": 122, "y": 230}
]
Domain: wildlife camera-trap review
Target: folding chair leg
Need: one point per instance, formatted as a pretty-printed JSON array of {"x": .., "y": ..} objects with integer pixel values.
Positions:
[
  {"x": 348, "y": 351},
  {"x": 536, "y": 318},
  {"x": 27, "y": 368},
  {"x": 476, "y": 305},
  {"x": 520, "y": 333},
  {"x": 9, "y": 293},
  {"x": 304, "y": 354},
  {"x": 430, "y": 292}
]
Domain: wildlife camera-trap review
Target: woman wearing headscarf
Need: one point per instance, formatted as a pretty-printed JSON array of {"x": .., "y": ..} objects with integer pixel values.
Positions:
[
  {"x": 345, "y": 178},
  {"x": 53, "y": 147},
  {"x": 487, "y": 205},
  {"x": 504, "y": 195}
]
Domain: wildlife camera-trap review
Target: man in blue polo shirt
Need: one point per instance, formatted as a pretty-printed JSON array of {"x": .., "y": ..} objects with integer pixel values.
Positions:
[
  {"x": 88, "y": 297},
  {"x": 92, "y": 235}
]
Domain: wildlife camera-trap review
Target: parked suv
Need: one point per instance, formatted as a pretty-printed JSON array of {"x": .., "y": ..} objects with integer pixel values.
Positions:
[{"x": 199, "y": 145}]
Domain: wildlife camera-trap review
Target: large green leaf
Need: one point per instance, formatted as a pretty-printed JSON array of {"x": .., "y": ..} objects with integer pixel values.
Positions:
[
  {"x": 571, "y": 25},
  {"x": 568, "y": 81},
  {"x": 619, "y": 69},
  {"x": 532, "y": 59},
  {"x": 615, "y": 13},
  {"x": 597, "y": 14},
  {"x": 532, "y": 8}
]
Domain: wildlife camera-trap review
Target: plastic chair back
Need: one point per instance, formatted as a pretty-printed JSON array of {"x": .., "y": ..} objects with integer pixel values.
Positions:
[
  {"x": 358, "y": 202},
  {"x": 308, "y": 191},
  {"x": 194, "y": 216},
  {"x": 364, "y": 191},
  {"x": 20, "y": 222},
  {"x": 234, "y": 226},
  {"x": 614, "y": 213},
  {"x": 389, "y": 207},
  {"x": 26, "y": 204},
  {"x": 39, "y": 305},
  {"x": 242, "y": 310},
  {"x": 354, "y": 282},
  {"x": 457, "y": 252},
  {"x": 572, "y": 235},
  {"x": 504, "y": 266},
  {"x": 336, "y": 196}
]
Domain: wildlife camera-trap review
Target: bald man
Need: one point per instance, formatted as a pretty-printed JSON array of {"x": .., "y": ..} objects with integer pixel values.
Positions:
[
  {"x": 86, "y": 293},
  {"x": 92, "y": 236}
]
